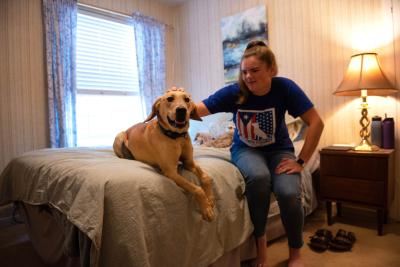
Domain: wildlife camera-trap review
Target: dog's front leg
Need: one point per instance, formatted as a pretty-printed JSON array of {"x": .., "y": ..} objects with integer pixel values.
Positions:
[
  {"x": 206, "y": 181},
  {"x": 206, "y": 208}
]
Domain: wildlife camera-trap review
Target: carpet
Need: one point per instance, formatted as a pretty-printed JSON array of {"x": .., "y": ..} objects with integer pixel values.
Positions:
[{"x": 369, "y": 250}]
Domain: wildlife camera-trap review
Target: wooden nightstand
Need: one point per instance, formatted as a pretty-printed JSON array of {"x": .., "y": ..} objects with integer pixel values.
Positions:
[{"x": 359, "y": 177}]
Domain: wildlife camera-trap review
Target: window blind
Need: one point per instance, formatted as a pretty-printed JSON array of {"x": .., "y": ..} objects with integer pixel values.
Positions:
[{"x": 106, "y": 58}]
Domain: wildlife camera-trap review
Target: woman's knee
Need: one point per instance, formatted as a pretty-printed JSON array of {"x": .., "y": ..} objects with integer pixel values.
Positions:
[
  {"x": 288, "y": 198},
  {"x": 287, "y": 188},
  {"x": 258, "y": 184}
]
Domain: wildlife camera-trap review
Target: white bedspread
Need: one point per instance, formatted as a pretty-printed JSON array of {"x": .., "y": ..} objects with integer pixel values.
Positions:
[{"x": 133, "y": 215}]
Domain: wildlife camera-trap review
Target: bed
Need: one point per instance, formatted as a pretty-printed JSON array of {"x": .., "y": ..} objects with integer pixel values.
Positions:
[{"x": 106, "y": 211}]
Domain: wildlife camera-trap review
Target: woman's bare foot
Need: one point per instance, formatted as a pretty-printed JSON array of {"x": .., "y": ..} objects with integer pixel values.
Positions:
[
  {"x": 261, "y": 260},
  {"x": 295, "y": 259}
]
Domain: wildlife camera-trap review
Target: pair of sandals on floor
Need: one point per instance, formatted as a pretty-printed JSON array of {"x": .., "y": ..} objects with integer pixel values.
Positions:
[{"x": 323, "y": 240}]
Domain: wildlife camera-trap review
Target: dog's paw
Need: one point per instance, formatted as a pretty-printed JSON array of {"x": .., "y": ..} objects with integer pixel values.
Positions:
[
  {"x": 208, "y": 213},
  {"x": 211, "y": 201}
]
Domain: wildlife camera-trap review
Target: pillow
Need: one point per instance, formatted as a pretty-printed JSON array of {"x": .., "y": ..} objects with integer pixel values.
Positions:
[
  {"x": 296, "y": 129},
  {"x": 214, "y": 124},
  {"x": 221, "y": 141}
]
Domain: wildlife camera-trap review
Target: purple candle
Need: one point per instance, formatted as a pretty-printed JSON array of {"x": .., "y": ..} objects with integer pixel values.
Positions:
[{"x": 388, "y": 133}]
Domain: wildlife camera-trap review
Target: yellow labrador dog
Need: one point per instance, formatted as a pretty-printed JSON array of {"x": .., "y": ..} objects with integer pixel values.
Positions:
[{"x": 164, "y": 141}]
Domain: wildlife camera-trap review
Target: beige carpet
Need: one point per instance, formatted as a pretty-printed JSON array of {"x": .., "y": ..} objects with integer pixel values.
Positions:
[{"x": 370, "y": 250}]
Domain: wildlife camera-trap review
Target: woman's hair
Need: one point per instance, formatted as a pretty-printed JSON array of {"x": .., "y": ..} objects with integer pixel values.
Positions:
[{"x": 262, "y": 52}]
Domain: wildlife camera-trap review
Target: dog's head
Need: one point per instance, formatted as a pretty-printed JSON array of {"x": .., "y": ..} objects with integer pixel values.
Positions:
[{"x": 174, "y": 110}]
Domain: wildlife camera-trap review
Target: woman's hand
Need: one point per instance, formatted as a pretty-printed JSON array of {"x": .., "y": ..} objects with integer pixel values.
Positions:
[{"x": 288, "y": 166}]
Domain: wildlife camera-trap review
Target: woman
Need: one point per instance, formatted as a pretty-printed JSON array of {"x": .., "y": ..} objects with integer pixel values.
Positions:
[{"x": 262, "y": 149}]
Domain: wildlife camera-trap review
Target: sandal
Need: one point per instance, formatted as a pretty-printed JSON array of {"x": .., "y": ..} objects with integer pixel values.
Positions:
[
  {"x": 343, "y": 240},
  {"x": 321, "y": 240}
]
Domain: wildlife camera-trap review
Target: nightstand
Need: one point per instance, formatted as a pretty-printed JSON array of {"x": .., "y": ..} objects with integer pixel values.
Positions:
[{"x": 359, "y": 177}]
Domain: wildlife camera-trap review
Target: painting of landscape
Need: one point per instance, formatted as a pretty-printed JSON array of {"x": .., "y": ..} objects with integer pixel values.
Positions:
[{"x": 237, "y": 31}]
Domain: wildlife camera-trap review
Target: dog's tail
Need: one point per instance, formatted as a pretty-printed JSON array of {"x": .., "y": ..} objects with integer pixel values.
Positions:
[
  {"x": 118, "y": 142},
  {"x": 120, "y": 146}
]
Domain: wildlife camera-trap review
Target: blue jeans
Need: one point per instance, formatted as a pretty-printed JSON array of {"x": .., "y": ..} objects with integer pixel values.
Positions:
[{"x": 258, "y": 169}]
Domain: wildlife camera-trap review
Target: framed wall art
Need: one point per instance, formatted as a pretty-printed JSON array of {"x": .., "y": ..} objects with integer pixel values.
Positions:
[{"x": 237, "y": 31}]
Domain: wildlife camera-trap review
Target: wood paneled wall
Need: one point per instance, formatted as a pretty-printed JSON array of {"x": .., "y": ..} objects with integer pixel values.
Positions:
[
  {"x": 395, "y": 211},
  {"x": 313, "y": 41},
  {"x": 23, "y": 105},
  {"x": 23, "y": 86}
]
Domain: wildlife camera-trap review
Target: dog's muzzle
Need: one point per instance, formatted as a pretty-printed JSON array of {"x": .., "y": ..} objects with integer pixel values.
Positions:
[{"x": 180, "y": 118}]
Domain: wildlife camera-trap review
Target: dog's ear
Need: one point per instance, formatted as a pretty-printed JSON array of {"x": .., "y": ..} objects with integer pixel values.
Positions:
[
  {"x": 194, "y": 115},
  {"x": 154, "y": 110}
]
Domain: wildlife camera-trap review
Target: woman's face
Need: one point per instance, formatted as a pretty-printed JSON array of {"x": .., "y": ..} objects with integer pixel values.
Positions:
[{"x": 256, "y": 75}]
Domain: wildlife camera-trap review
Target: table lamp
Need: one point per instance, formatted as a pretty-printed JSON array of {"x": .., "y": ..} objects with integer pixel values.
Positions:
[{"x": 364, "y": 77}]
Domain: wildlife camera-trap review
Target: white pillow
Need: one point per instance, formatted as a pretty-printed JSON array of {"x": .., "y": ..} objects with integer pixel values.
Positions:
[
  {"x": 214, "y": 124},
  {"x": 296, "y": 129}
]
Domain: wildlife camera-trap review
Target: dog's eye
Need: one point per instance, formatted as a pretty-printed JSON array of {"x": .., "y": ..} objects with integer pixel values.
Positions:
[
  {"x": 187, "y": 99},
  {"x": 170, "y": 99}
]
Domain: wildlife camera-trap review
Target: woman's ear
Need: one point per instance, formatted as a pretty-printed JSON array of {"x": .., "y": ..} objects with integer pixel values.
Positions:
[{"x": 274, "y": 70}]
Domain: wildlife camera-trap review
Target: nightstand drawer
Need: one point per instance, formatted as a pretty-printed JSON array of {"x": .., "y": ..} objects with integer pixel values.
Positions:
[
  {"x": 345, "y": 189},
  {"x": 357, "y": 167}
]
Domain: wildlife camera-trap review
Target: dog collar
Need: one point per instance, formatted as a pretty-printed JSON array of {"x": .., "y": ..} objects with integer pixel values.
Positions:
[{"x": 171, "y": 134}]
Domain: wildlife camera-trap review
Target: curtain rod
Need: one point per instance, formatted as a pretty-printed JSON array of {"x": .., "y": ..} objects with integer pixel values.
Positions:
[{"x": 117, "y": 15}]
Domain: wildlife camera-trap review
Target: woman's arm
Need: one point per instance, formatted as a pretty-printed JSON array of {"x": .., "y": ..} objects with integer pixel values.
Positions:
[
  {"x": 314, "y": 131},
  {"x": 202, "y": 110}
]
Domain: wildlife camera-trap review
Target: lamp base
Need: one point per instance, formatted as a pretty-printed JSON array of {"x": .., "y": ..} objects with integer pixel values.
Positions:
[{"x": 366, "y": 146}]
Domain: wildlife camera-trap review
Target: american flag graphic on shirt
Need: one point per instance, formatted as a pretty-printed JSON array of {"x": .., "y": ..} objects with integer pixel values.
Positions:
[{"x": 256, "y": 127}]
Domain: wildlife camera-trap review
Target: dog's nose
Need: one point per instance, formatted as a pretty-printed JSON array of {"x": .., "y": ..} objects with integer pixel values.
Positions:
[{"x": 181, "y": 114}]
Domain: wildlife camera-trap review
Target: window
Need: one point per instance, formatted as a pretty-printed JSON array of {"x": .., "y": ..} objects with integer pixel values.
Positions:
[{"x": 108, "y": 98}]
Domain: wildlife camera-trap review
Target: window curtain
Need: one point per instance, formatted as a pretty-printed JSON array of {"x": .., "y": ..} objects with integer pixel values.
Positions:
[
  {"x": 60, "y": 18},
  {"x": 150, "y": 51}
]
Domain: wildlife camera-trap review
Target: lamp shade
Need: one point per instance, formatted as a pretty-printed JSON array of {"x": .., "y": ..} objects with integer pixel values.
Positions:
[{"x": 365, "y": 73}]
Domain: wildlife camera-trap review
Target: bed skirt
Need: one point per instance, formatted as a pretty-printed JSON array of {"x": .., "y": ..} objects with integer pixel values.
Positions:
[{"x": 60, "y": 243}]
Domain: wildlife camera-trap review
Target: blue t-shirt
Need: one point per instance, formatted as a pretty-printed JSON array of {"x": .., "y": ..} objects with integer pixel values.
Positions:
[{"x": 260, "y": 122}]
